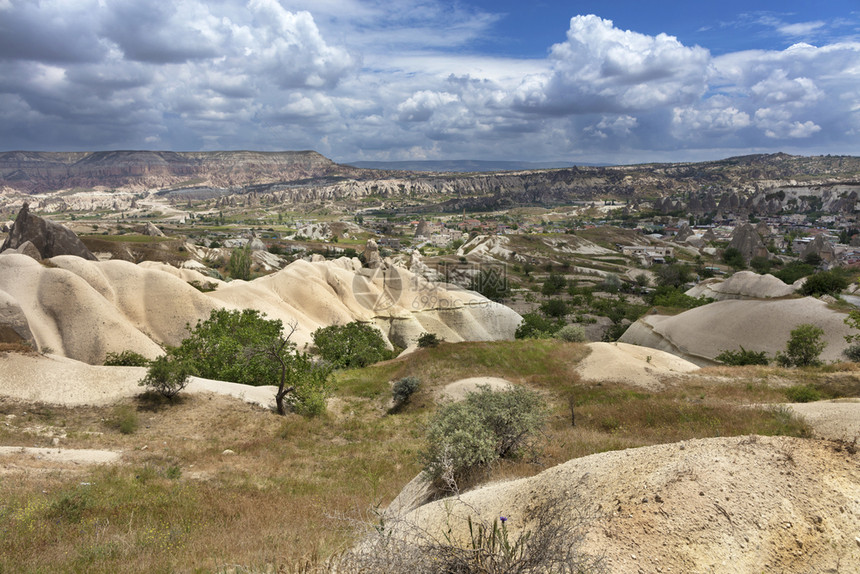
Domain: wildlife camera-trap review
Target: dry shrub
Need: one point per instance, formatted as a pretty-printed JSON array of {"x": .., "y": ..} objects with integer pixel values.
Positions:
[{"x": 550, "y": 542}]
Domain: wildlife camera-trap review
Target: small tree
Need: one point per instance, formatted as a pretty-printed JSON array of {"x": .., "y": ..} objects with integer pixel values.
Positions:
[
  {"x": 803, "y": 348},
  {"x": 734, "y": 258},
  {"x": 352, "y": 345},
  {"x": 240, "y": 263},
  {"x": 426, "y": 340},
  {"x": 245, "y": 347},
  {"x": 166, "y": 375}
]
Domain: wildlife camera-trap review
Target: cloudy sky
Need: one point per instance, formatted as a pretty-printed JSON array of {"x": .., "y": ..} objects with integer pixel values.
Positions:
[{"x": 616, "y": 81}]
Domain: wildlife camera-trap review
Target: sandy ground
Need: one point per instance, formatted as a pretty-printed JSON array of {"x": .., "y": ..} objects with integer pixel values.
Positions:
[
  {"x": 838, "y": 420},
  {"x": 12, "y": 457},
  {"x": 631, "y": 364},
  {"x": 458, "y": 390},
  {"x": 56, "y": 380}
]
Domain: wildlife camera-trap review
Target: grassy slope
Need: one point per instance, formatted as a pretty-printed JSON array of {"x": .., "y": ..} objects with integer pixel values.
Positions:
[{"x": 180, "y": 504}]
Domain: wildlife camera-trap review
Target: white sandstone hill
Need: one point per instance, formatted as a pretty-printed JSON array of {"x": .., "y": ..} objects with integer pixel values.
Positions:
[
  {"x": 730, "y": 505},
  {"x": 84, "y": 309},
  {"x": 700, "y": 334}
]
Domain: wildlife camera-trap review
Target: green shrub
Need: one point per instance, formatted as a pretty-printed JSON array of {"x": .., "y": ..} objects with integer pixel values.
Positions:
[
  {"x": 428, "y": 340},
  {"x": 403, "y": 389},
  {"x": 794, "y": 271},
  {"x": 125, "y": 359},
  {"x": 352, "y": 345},
  {"x": 166, "y": 375},
  {"x": 853, "y": 353},
  {"x": 824, "y": 283},
  {"x": 571, "y": 334},
  {"x": 674, "y": 297},
  {"x": 761, "y": 264},
  {"x": 124, "y": 419},
  {"x": 734, "y": 258},
  {"x": 470, "y": 435},
  {"x": 554, "y": 308},
  {"x": 536, "y": 326},
  {"x": 743, "y": 357},
  {"x": 802, "y": 394},
  {"x": 803, "y": 348},
  {"x": 554, "y": 283}
]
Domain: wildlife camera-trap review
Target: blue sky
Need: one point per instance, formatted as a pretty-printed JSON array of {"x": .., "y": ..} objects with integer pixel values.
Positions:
[{"x": 579, "y": 81}]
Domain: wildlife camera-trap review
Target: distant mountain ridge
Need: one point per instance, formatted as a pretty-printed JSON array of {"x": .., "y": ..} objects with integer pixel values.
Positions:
[
  {"x": 464, "y": 166},
  {"x": 298, "y": 177},
  {"x": 36, "y": 172}
]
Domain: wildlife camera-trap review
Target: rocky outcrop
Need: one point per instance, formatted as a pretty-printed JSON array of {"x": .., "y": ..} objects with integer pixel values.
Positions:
[
  {"x": 746, "y": 240},
  {"x": 700, "y": 334},
  {"x": 819, "y": 247},
  {"x": 48, "y": 238},
  {"x": 151, "y": 230},
  {"x": 742, "y": 285},
  {"x": 84, "y": 309}
]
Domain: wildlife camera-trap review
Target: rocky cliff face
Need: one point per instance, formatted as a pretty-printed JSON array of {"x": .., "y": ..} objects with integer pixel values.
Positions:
[
  {"x": 36, "y": 172},
  {"x": 750, "y": 184}
]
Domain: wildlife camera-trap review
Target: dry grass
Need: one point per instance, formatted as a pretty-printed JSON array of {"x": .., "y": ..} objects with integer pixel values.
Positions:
[{"x": 178, "y": 503}]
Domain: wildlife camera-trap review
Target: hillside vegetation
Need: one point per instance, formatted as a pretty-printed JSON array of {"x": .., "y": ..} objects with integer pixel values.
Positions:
[{"x": 211, "y": 484}]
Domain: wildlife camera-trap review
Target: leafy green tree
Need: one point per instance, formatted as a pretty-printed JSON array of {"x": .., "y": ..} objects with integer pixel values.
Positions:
[
  {"x": 166, "y": 375},
  {"x": 734, "y": 258},
  {"x": 803, "y": 348},
  {"x": 760, "y": 264},
  {"x": 492, "y": 283},
  {"x": 554, "y": 283},
  {"x": 824, "y": 283},
  {"x": 555, "y": 308},
  {"x": 794, "y": 271},
  {"x": 224, "y": 346},
  {"x": 245, "y": 347},
  {"x": 672, "y": 274},
  {"x": 352, "y": 345},
  {"x": 239, "y": 266},
  {"x": 665, "y": 296},
  {"x": 536, "y": 326}
]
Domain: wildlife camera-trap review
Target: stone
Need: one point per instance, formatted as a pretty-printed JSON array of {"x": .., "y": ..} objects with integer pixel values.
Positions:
[
  {"x": 152, "y": 230},
  {"x": 49, "y": 238},
  {"x": 372, "y": 259},
  {"x": 747, "y": 240},
  {"x": 14, "y": 327}
]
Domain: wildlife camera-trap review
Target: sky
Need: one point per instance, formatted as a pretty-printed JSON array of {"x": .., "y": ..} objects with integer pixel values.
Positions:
[{"x": 609, "y": 81}]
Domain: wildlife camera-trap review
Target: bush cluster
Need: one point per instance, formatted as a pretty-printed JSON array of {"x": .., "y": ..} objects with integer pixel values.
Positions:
[
  {"x": 352, "y": 345},
  {"x": 488, "y": 425},
  {"x": 743, "y": 357},
  {"x": 403, "y": 389},
  {"x": 803, "y": 348},
  {"x": 125, "y": 359}
]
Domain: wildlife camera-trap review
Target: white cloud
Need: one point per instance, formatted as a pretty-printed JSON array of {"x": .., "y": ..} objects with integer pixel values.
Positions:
[
  {"x": 397, "y": 78},
  {"x": 601, "y": 68}
]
